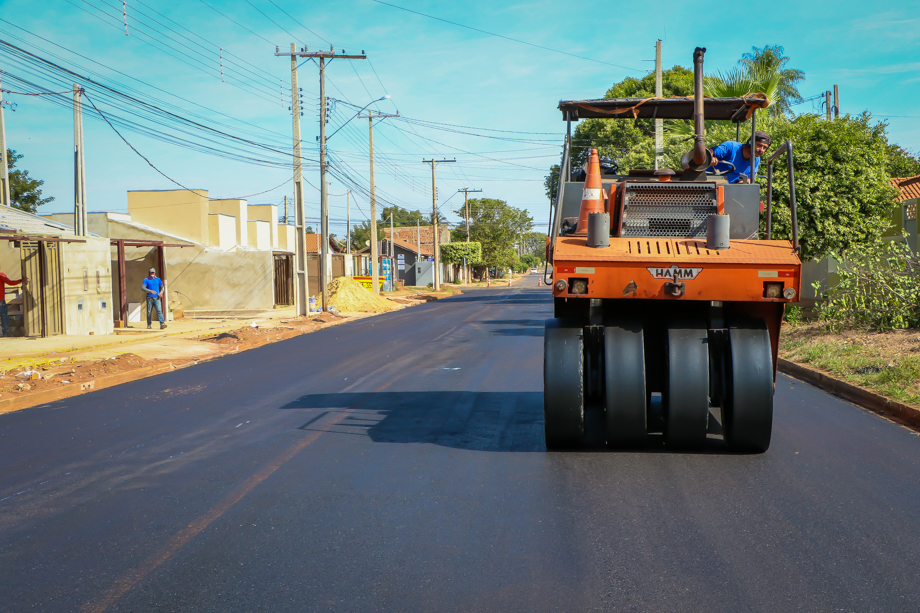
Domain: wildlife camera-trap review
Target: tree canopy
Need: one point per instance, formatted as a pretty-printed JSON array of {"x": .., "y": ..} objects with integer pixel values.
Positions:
[
  {"x": 497, "y": 226},
  {"x": 842, "y": 188},
  {"x": 25, "y": 192}
]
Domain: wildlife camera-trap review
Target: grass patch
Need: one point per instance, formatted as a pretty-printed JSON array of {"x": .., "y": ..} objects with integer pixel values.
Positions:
[{"x": 885, "y": 363}]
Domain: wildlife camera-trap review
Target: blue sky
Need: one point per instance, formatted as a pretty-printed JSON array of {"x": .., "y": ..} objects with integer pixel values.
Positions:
[{"x": 433, "y": 71}]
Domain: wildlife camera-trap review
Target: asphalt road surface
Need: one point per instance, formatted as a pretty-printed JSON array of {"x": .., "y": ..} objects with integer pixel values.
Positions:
[{"x": 396, "y": 463}]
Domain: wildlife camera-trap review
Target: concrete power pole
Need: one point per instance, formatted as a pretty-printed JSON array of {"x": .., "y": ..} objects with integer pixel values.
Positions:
[
  {"x": 375, "y": 249},
  {"x": 348, "y": 221},
  {"x": 301, "y": 278},
  {"x": 4, "y": 166},
  {"x": 827, "y": 103},
  {"x": 836, "y": 102},
  {"x": 466, "y": 208},
  {"x": 79, "y": 175},
  {"x": 321, "y": 57},
  {"x": 285, "y": 211},
  {"x": 659, "y": 123},
  {"x": 434, "y": 221}
]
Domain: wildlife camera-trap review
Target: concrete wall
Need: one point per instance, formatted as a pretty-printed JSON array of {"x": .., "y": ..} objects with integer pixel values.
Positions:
[
  {"x": 222, "y": 231},
  {"x": 269, "y": 213},
  {"x": 198, "y": 277},
  {"x": 237, "y": 209},
  {"x": 216, "y": 280},
  {"x": 87, "y": 292},
  {"x": 287, "y": 238},
  {"x": 180, "y": 212},
  {"x": 260, "y": 235}
]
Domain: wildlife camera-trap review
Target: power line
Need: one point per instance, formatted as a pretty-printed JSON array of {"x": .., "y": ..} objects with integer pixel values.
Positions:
[{"x": 514, "y": 40}]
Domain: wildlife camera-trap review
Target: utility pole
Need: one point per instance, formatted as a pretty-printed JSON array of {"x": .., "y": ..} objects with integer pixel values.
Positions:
[
  {"x": 827, "y": 103},
  {"x": 321, "y": 57},
  {"x": 79, "y": 176},
  {"x": 375, "y": 250},
  {"x": 4, "y": 166},
  {"x": 393, "y": 272},
  {"x": 348, "y": 221},
  {"x": 434, "y": 221},
  {"x": 466, "y": 208},
  {"x": 836, "y": 102},
  {"x": 301, "y": 278},
  {"x": 659, "y": 123},
  {"x": 285, "y": 211}
]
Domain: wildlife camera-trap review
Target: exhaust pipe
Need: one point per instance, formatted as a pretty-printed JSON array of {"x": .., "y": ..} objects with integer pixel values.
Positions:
[{"x": 699, "y": 158}]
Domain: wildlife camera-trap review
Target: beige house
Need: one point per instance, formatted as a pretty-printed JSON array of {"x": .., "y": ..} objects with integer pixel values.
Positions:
[
  {"x": 218, "y": 254},
  {"x": 69, "y": 278}
]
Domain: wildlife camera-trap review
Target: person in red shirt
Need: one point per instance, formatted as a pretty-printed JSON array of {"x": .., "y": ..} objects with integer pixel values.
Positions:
[{"x": 4, "y": 313}]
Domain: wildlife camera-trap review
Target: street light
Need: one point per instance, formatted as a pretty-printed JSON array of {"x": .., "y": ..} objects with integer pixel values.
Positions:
[{"x": 386, "y": 97}]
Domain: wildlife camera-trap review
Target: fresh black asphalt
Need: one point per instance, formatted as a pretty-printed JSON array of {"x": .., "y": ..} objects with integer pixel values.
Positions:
[{"x": 396, "y": 463}]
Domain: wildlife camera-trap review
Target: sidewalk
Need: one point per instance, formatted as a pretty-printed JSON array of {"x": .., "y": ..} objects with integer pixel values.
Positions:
[{"x": 20, "y": 352}]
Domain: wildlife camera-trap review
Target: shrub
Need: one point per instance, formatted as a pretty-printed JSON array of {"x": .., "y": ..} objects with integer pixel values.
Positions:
[{"x": 878, "y": 289}]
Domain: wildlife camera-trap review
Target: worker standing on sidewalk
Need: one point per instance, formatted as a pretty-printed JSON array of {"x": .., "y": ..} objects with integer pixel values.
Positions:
[
  {"x": 4, "y": 312},
  {"x": 153, "y": 288}
]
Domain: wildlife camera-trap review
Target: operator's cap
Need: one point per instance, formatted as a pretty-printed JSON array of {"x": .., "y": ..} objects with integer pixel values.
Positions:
[
  {"x": 153, "y": 270},
  {"x": 762, "y": 136}
]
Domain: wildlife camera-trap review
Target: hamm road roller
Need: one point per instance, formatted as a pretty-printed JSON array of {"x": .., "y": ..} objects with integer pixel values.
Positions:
[{"x": 667, "y": 298}]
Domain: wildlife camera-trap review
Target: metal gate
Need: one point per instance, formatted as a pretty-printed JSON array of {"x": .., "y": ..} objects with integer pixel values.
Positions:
[
  {"x": 284, "y": 280},
  {"x": 42, "y": 295}
]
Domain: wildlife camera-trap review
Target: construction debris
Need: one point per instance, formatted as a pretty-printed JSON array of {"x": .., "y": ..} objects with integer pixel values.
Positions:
[{"x": 348, "y": 296}]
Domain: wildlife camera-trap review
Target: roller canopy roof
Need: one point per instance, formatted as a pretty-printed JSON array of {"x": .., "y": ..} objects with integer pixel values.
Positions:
[{"x": 734, "y": 109}]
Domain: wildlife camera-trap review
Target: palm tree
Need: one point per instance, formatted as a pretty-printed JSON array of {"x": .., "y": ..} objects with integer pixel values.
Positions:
[
  {"x": 768, "y": 61},
  {"x": 763, "y": 71},
  {"x": 739, "y": 82}
]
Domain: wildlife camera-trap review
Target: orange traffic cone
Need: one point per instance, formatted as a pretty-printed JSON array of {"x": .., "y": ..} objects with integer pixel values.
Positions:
[
  {"x": 592, "y": 199},
  {"x": 539, "y": 282},
  {"x": 509, "y": 282},
  {"x": 489, "y": 282}
]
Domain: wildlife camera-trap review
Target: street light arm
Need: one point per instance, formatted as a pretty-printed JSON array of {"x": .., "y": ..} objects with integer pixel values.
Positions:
[{"x": 356, "y": 114}]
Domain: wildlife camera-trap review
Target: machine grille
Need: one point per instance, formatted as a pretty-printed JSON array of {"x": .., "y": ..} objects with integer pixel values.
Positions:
[{"x": 676, "y": 210}]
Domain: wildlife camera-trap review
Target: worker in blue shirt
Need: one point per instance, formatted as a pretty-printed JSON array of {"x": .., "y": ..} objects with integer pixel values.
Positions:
[
  {"x": 153, "y": 289},
  {"x": 739, "y": 155}
]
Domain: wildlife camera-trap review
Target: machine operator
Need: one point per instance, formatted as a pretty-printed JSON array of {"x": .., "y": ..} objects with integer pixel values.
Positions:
[{"x": 740, "y": 156}]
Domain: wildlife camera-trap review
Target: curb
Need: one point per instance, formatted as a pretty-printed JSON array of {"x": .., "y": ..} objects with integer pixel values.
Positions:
[
  {"x": 15, "y": 404},
  {"x": 10, "y": 405},
  {"x": 897, "y": 411}
]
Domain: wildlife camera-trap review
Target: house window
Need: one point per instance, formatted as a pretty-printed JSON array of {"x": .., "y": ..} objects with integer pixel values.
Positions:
[{"x": 910, "y": 211}]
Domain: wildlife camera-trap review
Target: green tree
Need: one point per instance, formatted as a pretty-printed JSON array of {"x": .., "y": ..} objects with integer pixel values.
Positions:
[
  {"x": 453, "y": 253},
  {"x": 25, "y": 192},
  {"x": 551, "y": 182},
  {"x": 534, "y": 243},
  {"x": 842, "y": 188},
  {"x": 768, "y": 61},
  {"x": 629, "y": 142},
  {"x": 902, "y": 163},
  {"x": 496, "y": 226}
]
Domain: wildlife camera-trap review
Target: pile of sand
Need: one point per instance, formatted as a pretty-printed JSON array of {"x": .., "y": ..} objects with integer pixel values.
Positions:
[{"x": 349, "y": 296}]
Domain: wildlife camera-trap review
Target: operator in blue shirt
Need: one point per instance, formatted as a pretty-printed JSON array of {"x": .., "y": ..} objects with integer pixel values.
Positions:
[
  {"x": 153, "y": 290},
  {"x": 739, "y": 155}
]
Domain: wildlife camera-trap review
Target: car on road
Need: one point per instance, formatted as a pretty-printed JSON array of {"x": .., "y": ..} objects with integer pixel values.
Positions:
[{"x": 534, "y": 271}]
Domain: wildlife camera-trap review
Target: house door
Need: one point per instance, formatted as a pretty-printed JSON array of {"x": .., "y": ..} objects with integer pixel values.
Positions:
[
  {"x": 284, "y": 280},
  {"x": 42, "y": 302}
]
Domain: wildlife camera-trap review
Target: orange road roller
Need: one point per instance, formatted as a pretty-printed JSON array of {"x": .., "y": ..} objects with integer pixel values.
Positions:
[{"x": 668, "y": 297}]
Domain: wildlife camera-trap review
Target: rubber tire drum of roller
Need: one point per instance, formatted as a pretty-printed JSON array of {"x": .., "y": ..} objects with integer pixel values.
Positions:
[
  {"x": 624, "y": 362},
  {"x": 563, "y": 384},
  {"x": 687, "y": 394},
  {"x": 748, "y": 413}
]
